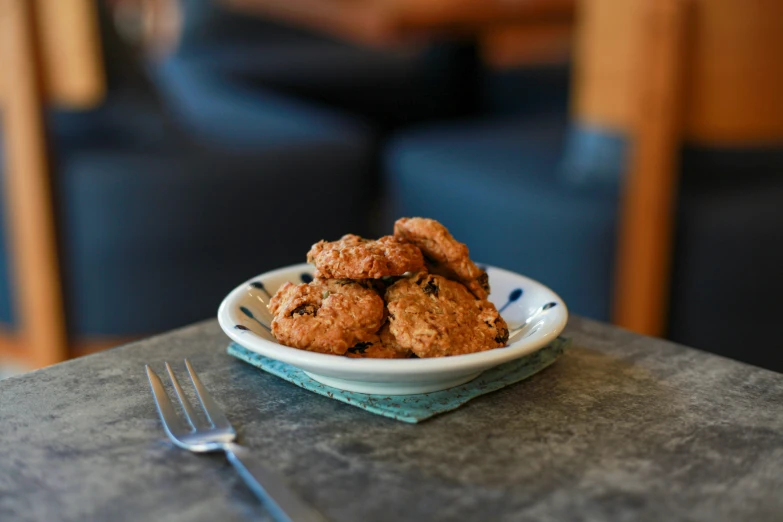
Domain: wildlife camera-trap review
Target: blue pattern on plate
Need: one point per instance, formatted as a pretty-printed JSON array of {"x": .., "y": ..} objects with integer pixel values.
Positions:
[
  {"x": 258, "y": 285},
  {"x": 513, "y": 296},
  {"x": 414, "y": 408},
  {"x": 248, "y": 313}
]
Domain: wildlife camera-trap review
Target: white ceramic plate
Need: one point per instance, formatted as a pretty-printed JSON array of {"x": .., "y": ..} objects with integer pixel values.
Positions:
[{"x": 534, "y": 313}]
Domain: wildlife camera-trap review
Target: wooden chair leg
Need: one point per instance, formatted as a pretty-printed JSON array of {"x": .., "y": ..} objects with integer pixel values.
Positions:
[
  {"x": 28, "y": 197},
  {"x": 646, "y": 214}
]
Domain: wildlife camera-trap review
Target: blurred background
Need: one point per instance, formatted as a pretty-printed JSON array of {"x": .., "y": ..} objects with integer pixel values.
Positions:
[{"x": 156, "y": 153}]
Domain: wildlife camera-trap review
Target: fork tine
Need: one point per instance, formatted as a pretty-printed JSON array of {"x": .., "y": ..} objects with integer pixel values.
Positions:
[
  {"x": 190, "y": 415},
  {"x": 213, "y": 411},
  {"x": 171, "y": 422}
]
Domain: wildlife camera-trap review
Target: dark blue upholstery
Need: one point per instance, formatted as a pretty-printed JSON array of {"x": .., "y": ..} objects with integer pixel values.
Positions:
[
  {"x": 119, "y": 122},
  {"x": 526, "y": 90},
  {"x": 156, "y": 239},
  {"x": 7, "y": 315},
  {"x": 206, "y": 23},
  {"x": 593, "y": 157},
  {"x": 388, "y": 87},
  {"x": 505, "y": 189},
  {"x": 727, "y": 280},
  {"x": 219, "y": 111},
  {"x": 495, "y": 186}
]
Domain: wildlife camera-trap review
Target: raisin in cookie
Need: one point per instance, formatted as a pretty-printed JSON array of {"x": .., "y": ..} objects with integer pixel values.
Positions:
[
  {"x": 326, "y": 316},
  {"x": 353, "y": 257},
  {"x": 384, "y": 347},
  {"x": 434, "y": 316},
  {"x": 448, "y": 257}
]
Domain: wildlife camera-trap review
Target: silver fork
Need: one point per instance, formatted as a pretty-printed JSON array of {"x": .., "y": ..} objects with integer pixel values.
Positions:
[{"x": 219, "y": 435}]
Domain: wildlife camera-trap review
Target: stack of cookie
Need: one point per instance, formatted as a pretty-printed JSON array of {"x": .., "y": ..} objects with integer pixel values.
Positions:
[{"x": 413, "y": 294}]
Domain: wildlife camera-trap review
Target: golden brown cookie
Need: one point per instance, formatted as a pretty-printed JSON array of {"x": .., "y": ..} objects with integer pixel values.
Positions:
[
  {"x": 384, "y": 347},
  {"x": 326, "y": 316},
  {"x": 434, "y": 317},
  {"x": 353, "y": 257},
  {"x": 447, "y": 256}
]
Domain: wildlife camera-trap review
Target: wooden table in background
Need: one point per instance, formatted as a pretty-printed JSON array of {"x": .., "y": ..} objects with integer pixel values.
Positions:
[
  {"x": 527, "y": 30},
  {"x": 53, "y": 49}
]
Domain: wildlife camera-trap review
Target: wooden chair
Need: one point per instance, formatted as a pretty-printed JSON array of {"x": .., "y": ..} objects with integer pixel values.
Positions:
[
  {"x": 53, "y": 49},
  {"x": 698, "y": 71}
]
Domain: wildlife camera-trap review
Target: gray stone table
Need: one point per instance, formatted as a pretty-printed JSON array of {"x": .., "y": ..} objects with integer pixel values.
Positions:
[{"x": 623, "y": 427}]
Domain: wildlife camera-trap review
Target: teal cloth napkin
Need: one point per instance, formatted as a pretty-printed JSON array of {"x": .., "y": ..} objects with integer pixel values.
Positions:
[{"x": 414, "y": 408}]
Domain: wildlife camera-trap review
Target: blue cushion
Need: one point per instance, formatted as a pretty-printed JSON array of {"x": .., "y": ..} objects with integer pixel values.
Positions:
[
  {"x": 495, "y": 185},
  {"x": 155, "y": 240},
  {"x": 118, "y": 122},
  {"x": 526, "y": 91},
  {"x": 218, "y": 110},
  {"x": 593, "y": 157},
  {"x": 7, "y": 315},
  {"x": 387, "y": 86},
  {"x": 727, "y": 280},
  {"x": 205, "y": 23}
]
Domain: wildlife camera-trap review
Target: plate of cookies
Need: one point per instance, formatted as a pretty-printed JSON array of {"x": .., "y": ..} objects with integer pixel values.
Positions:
[{"x": 403, "y": 314}]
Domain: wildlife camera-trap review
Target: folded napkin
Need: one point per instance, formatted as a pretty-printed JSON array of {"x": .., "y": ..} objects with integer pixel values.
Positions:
[{"x": 414, "y": 408}]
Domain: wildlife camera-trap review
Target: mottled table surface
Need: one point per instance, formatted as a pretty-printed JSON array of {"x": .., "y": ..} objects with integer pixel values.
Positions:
[{"x": 623, "y": 427}]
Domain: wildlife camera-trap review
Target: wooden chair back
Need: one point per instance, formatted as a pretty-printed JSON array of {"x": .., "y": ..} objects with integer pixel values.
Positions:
[
  {"x": 53, "y": 49},
  {"x": 664, "y": 71},
  {"x": 732, "y": 78}
]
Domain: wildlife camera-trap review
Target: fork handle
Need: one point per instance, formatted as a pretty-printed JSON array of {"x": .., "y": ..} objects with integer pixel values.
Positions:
[{"x": 270, "y": 487}]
